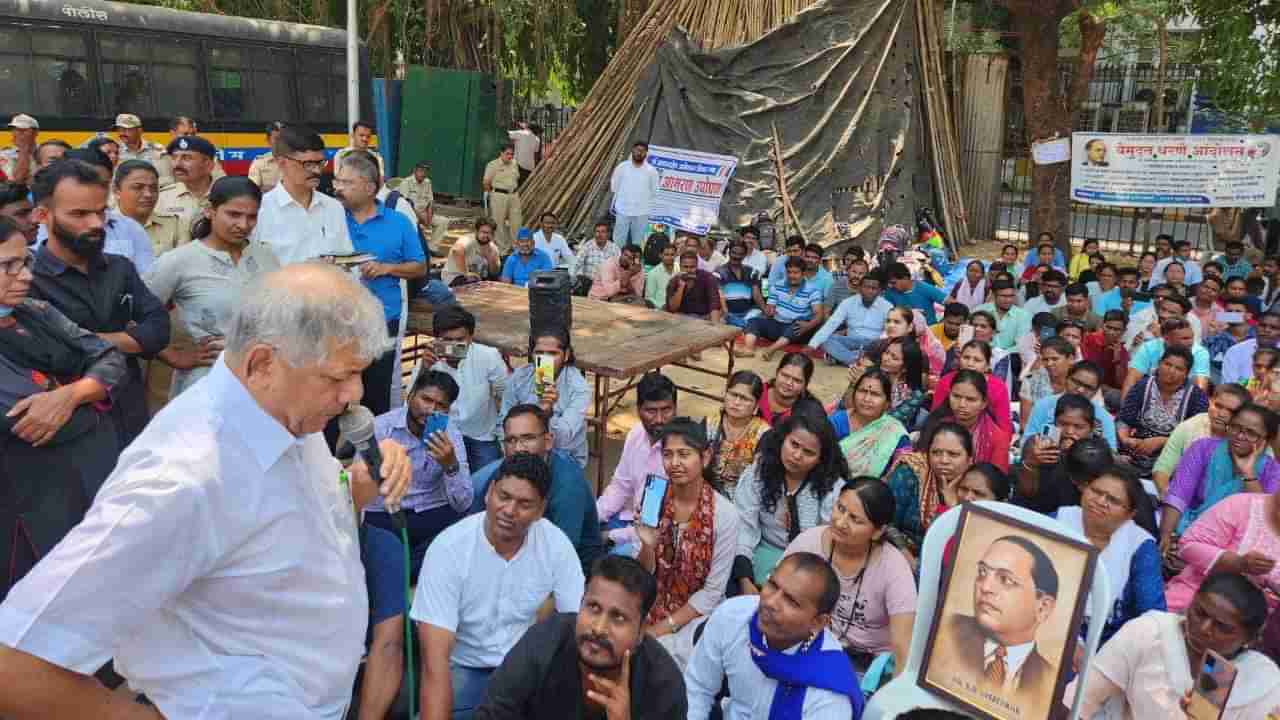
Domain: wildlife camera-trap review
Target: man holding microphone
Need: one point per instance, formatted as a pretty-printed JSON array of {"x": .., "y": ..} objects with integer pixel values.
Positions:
[{"x": 219, "y": 565}]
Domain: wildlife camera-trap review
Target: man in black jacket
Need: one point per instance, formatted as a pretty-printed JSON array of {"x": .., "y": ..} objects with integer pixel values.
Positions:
[{"x": 597, "y": 663}]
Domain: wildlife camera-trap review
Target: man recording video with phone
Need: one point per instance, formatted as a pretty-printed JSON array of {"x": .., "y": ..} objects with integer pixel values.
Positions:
[{"x": 481, "y": 375}]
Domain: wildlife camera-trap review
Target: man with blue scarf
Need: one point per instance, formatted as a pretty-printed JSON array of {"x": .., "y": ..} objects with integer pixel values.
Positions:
[{"x": 780, "y": 660}]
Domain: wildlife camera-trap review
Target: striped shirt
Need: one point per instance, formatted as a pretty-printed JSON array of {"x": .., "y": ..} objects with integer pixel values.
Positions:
[{"x": 795, "y": 303}]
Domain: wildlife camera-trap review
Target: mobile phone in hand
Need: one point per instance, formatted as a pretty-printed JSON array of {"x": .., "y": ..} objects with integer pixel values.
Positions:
[
  {"x": 655, "y": 491},
  {"x": 544, "y": 372},
  {"x": 436, "y": 422}
]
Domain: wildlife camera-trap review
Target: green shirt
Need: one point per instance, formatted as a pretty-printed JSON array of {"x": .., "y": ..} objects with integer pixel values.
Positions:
[
  {"x": 655, "y": 285},
  {"x": 1009, "y": 328}
]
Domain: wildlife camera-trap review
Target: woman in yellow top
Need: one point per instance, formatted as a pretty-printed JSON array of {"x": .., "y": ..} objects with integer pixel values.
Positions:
[{"x": 1080, "y": 261}]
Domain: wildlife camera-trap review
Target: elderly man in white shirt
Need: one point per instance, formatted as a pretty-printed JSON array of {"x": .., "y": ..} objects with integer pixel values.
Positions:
[
  {"x": 634, "y": 184},
  {"x": 299, "y": 223},
  {"x": 775, "y": 649},
  {"x": 219, "y": 564},
  {"x": 484, "y": 582}
]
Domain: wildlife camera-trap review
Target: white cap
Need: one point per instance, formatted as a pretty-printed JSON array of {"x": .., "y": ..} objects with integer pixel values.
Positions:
[{"x": 22, "y": 121}]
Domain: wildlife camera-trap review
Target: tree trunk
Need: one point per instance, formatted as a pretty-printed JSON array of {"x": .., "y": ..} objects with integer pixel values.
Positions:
[{"x": 1046, "y": 114}]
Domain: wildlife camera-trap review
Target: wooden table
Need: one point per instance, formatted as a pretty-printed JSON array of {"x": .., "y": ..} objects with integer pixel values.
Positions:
[{"x": 611, "y": 341}]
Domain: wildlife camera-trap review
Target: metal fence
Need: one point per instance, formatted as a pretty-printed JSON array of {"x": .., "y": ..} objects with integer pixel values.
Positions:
[
  {"x": 552, "y": 119},
  {"x": 1121, "y": 99}
]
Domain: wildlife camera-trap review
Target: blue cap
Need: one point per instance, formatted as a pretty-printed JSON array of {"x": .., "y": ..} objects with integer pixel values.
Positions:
[
  {"x": 193, "y": 143},
  {"x": 523, "y": 234}
]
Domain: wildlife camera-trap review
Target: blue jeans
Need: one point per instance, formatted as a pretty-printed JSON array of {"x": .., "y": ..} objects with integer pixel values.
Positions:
[
  {"x": 437, "y": 293},
  {"x": 630, "y": 229},
  {"x": 740, "y": 320},
  {"x": 844, "y": 349},
  {"x": 481, "y": 452},
  {"x": 469, "y": 685}
]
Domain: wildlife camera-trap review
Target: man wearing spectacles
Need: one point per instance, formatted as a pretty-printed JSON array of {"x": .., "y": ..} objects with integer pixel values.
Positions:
[
  {"x": 571, "y": 505},
  {"x": 296, "y": 221},
  {"x": 1015, "y": 590}
]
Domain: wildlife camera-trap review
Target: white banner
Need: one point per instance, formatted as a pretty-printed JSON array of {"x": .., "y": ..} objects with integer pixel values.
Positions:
[
  {"x": 1175, "y": 170},
  {"x": 690, "y": 187}
]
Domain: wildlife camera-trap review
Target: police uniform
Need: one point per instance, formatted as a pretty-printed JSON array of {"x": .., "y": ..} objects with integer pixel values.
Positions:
[
  {"x": 504, "y": 201},
  {"x": 147, "y": 151},
  {"x": 420, "y": 194},
  {"x": 264, "y": 171},
  {"x": 9, "y": 155},
  {"x": 176, "y": 199},
  {"x": 167, "y": 232},
  {"x": 337, "y": 158}
]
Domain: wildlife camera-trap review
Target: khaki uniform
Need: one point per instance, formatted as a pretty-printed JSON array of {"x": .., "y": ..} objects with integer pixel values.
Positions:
[
  {"x": 148, "y": 152},
  {"x": 264, "y": 171},
  {"x": 337, "y": 159},
  {"x": 420, "y": 194},
  {"x": 164, "y": 165},
  {"x": 166, "y": 232},
  {"x": 177, "y": 200},
  {"x": 504, "y": 201}
]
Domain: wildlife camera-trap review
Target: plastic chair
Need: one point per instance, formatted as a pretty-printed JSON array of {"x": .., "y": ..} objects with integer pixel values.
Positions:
[{"x": 903, "y": 693}]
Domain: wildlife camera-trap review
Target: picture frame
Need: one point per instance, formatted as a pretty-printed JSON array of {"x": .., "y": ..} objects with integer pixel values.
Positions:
[{"x": 1009, "y": 610}]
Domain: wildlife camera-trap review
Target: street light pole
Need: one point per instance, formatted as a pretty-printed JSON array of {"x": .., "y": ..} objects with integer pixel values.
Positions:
[{"x": 353, "y": 65}]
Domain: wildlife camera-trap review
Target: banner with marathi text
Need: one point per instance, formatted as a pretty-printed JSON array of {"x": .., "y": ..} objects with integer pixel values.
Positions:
[
  {"x": 1175, "y": 170},
  {"x": 690, "y": 187}
]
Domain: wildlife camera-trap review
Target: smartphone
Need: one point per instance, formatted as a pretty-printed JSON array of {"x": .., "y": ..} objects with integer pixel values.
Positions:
[
  {"x": 1046, "y": 333},
  {"x": 1052, "y": 434},
  {"x": 436, "y": 422},
  {"x": 655, "y": 491},
  {"x": 1230, "y": 318},
  {"x": 544, "y": 371},
  {"x": 451, "y": 350},
  {"x": 1213, "y": 686}
]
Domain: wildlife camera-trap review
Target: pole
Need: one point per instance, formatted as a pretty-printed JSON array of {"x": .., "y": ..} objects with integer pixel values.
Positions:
[
  {"x": 353, "y": 65},
  {"x": 951, "y": 32}
]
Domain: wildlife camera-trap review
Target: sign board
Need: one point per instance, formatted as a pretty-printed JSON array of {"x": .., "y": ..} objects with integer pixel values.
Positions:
[
  {"x": 1050, "y": 152},
  {"x": 1175, "y": 170},
  {"x": 691, "y": 185}
]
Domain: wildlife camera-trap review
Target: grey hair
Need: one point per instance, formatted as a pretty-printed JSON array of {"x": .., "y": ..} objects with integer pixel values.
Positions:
[
  {"x": 301, "y": 309},
  {"x": 363, "y": 164}
]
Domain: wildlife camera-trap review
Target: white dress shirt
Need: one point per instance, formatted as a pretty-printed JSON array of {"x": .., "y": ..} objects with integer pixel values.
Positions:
[
  {"x": 219, "y": 565},
  {"x": 298, "y": 234},
  {"x": 633, "y": 187},
  {"x": 557, "y": 248},
  {"x": 1015, "y": 656},
  {"x": 486, "y": 602},
  {"x": 759, "y": 262},
  {"x": 481, "y": 378},
  {"x": 725, "y": 650},
  {"x": 1037, "y": 305}
]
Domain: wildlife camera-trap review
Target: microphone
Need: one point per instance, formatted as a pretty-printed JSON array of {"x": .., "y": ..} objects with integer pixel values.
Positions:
[{"x": 356, "y": 426}]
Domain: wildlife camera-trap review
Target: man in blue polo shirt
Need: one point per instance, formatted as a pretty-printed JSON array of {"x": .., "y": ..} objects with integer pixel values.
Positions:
[
  {"x": 903, "y": 290},
  {"x": 794, "y": 312},
  {"x": 525, "y": 261},
  {"x": 393, "y": 242}
]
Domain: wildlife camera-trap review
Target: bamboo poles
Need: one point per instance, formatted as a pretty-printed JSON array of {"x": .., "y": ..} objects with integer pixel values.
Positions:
[{"x": 602, "y": 127}]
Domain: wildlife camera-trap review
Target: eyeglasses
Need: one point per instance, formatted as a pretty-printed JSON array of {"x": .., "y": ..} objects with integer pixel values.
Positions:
[
  {"x": 14, "y": 266},
  {"x": 518, "y": 441},
  {"x": 312, "y": 165},
  {"x": 1107, "y": 499},
  {"x": 1247, "y": 433},
  {"x": 1082, "y": 388}
]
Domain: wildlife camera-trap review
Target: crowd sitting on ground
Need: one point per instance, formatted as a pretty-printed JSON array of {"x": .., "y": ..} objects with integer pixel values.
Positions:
[{"x": 1136, "y": 405}]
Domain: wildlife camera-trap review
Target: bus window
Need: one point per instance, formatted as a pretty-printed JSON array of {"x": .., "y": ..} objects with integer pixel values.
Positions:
[
  {"x": 125, "y": 78},
  {"x": 272, "y": 96},
  {"x": 228, "y": 84},
  {"x": 314, "y": 91},
  {"x": 62, "y": 82},
  {"x": 15, "y": 70},
  {"x": 176, "y": 78},
  {"x": 338, "y": 85}
]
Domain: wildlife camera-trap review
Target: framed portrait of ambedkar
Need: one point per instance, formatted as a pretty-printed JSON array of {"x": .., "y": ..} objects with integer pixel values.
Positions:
[{"x": 1008, "y": 615}]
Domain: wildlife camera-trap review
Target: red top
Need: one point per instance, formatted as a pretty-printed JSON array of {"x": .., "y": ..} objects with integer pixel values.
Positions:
[
  {"x": 997, "y": 394},
  {"x": 1114, "y": 362}
]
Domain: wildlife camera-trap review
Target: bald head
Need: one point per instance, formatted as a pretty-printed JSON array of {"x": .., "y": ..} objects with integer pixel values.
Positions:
[{"x": 305, "y": 311}]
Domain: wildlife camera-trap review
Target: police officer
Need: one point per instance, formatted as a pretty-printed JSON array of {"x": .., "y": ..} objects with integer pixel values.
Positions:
[
  {"x": 133, "y": 146},
  {"x": 192, "y": 157},
  {"x": 263, "y": 170},
  {"x": 17, "y": 161},
  {"x": 417, "y": 188},
  {"x": 501, "y": 179},
  {"x": 361, "y": 136}
]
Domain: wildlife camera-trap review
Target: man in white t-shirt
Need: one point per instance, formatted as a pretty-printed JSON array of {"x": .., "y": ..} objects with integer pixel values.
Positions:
[
  {"x": 527, "y": 141},
  {"x": 551, "y": 242},
  {"x": 634, "y": 184},
  {"x": 483, "y": 584}
]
